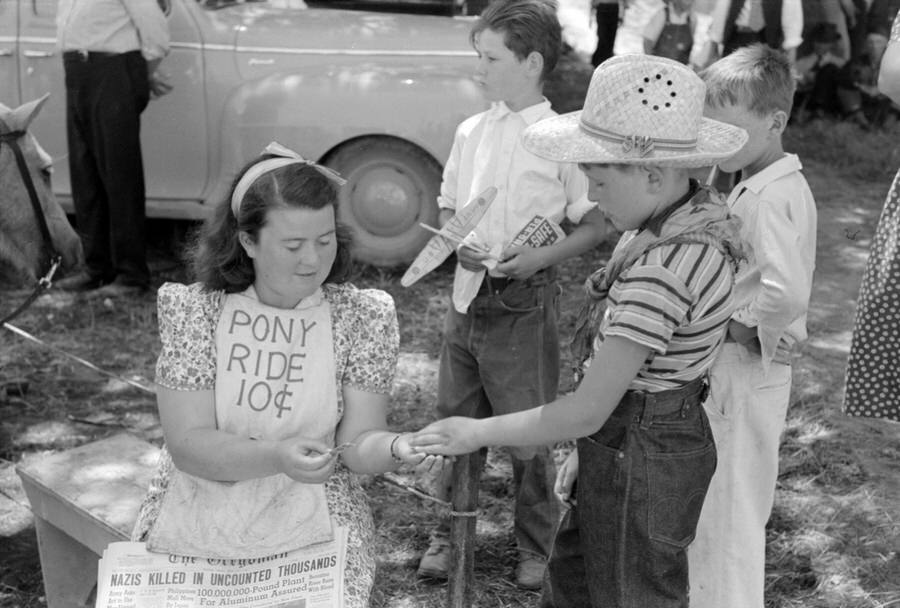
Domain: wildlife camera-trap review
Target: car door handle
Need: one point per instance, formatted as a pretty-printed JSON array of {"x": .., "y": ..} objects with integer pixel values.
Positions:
[
  {"x": 6, "y": 52},
  {"x": 38, "y": 54}
]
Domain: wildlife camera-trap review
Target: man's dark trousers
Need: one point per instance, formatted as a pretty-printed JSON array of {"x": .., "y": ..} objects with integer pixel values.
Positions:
[{"x": 105, "y": 95}]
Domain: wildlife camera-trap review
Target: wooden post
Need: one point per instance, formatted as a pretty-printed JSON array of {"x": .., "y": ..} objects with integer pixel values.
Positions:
[{"x": 466, "y": 474}]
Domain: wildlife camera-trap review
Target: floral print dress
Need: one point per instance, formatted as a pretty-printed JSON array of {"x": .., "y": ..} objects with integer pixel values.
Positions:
[{"x": 366, "y": 346}]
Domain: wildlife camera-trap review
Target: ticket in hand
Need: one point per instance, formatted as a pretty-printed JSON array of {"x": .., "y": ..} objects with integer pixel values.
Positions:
[{"x": 339, "y": 449}]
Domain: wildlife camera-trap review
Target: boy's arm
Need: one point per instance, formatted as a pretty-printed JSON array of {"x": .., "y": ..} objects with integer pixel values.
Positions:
[
  {"x": 653, "y": 29},
  {"x": 448, "y": 198},
  {"x": 715, "y": 33},
  {"x": 450, "y": 179},
  {"x": 444, "y": 216},
  {"x": 792, "y": 27},
  {"x": 785, "y": 281},
  {"x": 745, "y": 336},
  {"x": 889, "y": 72},
  {"x": 523, "y": 262},
  {"x": 878, "y": 19},
  {"x": 652, "y": 304},
  {"x": 152, "y": 29},
  {"x": 591, "y": 229},
  {"x": 578, "y": 414},
  {"x": 468, "y": 258}
]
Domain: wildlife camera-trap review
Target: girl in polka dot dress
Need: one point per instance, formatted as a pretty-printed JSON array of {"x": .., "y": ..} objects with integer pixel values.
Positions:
[{"x": 873, "y": 371}]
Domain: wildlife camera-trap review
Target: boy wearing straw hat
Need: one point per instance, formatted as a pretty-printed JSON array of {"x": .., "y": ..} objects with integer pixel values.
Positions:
[
  {"x": 645, "y": 452},
  {"x": 750, "y": 383}
]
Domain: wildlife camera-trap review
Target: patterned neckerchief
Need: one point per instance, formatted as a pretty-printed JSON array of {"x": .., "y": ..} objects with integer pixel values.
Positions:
[{"x": 700, "y": 218}]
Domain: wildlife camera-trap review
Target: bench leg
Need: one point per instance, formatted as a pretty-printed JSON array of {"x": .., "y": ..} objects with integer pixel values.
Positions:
[{"x": 68, "y": 567}]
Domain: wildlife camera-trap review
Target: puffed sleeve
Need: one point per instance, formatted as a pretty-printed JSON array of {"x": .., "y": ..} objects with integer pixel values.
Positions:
[
  {"x": 187, "y": 325},
  {"x": 375, "y": 341}
]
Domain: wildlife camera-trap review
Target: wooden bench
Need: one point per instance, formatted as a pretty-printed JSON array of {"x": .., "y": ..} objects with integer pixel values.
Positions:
[{"x": 83, "y": 499}]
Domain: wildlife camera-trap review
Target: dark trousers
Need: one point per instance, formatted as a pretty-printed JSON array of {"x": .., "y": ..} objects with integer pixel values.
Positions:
[
  {"x": 607, "y": 25},
  {"x": 739, "y": 39},
  {"x": 642, "y": 480},
  {"x": 105, "y": 95},
  {"x": 834, "y": 90},
  {"x": 503, "y": 357}
]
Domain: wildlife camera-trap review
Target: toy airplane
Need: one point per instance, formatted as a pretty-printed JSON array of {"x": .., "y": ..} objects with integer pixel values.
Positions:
[
  {"x": 475, "y": 246},
  {"x": 443, "y": 243}
]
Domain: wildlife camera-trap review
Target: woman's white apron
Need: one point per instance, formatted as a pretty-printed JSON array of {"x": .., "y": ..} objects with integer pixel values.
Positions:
[{"x": 275, "y": 380}]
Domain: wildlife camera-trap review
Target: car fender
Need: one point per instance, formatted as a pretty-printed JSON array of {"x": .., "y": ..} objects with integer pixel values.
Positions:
[{"x": 422, "y": 105}]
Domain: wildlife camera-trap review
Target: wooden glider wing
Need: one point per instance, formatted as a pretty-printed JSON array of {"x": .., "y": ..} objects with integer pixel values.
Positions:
[{"x": 439, "y": 248}]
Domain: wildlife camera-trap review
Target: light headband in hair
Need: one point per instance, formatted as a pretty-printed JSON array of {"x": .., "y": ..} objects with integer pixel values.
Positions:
[{"x": 284, "y": 157}]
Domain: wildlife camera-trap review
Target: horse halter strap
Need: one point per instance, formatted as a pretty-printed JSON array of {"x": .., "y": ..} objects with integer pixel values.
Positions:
[{"x": 12, "y": 140}]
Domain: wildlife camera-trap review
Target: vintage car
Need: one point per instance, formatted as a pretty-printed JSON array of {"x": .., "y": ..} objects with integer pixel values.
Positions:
[{"x": 375, "y": 95}]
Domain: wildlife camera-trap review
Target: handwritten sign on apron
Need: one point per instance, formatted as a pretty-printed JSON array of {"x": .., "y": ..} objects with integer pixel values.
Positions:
[{"x": 275, "y": 380}]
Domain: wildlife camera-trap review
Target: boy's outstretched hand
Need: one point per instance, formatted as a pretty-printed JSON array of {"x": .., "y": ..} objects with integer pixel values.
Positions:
[
  {"x": 520, "y": 262},
  {"x": 447, "y": 437},
  {"x": 410, "y": 455}
]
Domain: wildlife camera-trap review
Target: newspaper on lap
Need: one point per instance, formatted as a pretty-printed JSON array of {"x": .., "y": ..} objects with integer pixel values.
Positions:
[{"x": 129, "y": 576}]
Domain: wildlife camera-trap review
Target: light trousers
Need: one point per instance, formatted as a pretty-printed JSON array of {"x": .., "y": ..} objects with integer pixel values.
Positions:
[{"x": 746, "y": 410}]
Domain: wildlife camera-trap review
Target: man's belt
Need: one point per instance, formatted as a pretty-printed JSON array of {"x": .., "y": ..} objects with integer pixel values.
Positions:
[{"x": 85, "y": 56}]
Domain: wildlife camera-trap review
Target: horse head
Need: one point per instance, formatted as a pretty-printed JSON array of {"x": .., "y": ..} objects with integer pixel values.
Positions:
[{"x": 24, "y": 256}]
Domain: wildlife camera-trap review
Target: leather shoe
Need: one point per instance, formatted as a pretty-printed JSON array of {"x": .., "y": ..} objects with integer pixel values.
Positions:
[
  {"x": 81, "y": 281},
  {"x": 436, "y": 561},
  {"x": 530, "y": 572},
  {"x": 121, "y": 287}
]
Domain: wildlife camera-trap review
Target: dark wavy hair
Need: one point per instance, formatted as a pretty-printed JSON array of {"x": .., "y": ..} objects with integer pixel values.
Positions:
[
  {"x": 527, "y": 26},
  {"x": 218, "y": 260}
]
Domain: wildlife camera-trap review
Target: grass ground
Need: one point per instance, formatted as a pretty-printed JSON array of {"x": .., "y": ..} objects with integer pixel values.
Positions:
[{"x": 834, "y": 537}]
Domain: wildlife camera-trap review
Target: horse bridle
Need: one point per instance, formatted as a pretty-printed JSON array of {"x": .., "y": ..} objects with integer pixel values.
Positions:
[{"x": 12, "y": 138}]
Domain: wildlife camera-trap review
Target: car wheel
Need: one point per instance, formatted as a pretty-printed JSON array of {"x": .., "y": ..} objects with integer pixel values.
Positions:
[{"x": 392, "y": 185}]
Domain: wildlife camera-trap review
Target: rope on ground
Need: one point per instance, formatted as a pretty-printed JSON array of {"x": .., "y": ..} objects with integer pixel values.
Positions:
[
  {"x": 24, "y": 334},
  {"x": 394, "y": 479}
]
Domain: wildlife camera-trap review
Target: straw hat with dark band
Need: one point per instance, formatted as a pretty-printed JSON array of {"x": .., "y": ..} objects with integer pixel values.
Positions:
[{"x": 639, "y": 109}]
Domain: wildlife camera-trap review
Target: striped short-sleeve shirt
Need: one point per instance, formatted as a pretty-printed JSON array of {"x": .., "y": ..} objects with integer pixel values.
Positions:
[{"x": 677, "y": 300}]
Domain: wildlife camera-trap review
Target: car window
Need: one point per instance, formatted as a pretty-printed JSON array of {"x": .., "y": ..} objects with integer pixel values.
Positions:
[
  {"x": 433, "y": 7},
  {"x": 217, "y": 4},
  {"x": 426, "y": 7}
]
